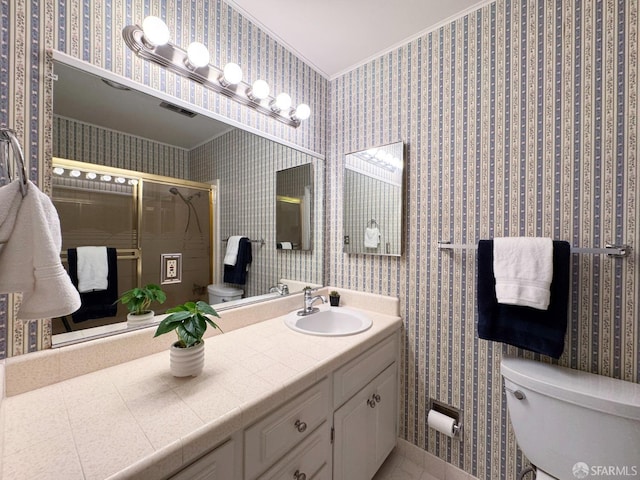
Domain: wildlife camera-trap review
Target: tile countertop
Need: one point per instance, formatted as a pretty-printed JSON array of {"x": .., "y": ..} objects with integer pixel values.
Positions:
[{"x": 135, "y": 420}]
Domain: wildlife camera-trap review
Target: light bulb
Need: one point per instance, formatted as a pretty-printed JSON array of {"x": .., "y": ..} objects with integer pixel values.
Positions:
[
  {"x": 282, "y": 102},
  {"x": 155, "y": 31},
  {"x": 58, "y": 170},
  {"x": 133, "y": 181},
  {"x": 91, "y": 176},
  {"x": 259, "y": 90},
  {"x": 231, "y": 74},
  {"x": 105, "y": 178},
  {"x": 75, "y": 173},
  {"x": 302, "y": 112},
  {"x": 197, "y": 55},
  {"x": 120, "y": 180}
]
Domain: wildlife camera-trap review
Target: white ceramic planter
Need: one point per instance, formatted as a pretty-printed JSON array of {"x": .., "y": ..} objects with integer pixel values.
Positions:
[
  {"x": 146, "y": 317},
  {"x": 186, "y": 362}
]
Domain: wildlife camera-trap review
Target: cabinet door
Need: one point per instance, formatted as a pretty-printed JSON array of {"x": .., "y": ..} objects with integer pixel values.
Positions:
[
  {"x": 216, "y": 465},
  {"x": 353, "y": 449},
  {"x": 386, "y": 413},
  {"x": 365, "y": 428}
]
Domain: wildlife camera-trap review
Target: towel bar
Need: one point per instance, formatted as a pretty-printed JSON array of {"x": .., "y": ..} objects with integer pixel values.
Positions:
[
  {"x": 618, "y": 251},
  {"x": 261, "y": 241}
]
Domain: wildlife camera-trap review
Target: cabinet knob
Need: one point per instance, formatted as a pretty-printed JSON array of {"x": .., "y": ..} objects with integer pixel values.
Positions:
[
  {"x": 376, "y": 397},
  {"x": 301, "y": 427},
  {"x": 371, "y": 402},
  {"x": 298, "y": 475}
]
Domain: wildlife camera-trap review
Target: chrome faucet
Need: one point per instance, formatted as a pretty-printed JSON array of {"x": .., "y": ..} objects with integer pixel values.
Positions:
[
  {"x": 281, "y": 288},
  {"x": 309, "y": 301}
]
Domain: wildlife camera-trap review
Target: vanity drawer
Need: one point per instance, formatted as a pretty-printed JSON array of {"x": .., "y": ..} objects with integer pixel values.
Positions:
[
  {"x": 272, "y": 437},
  {"x": 309, "y": 458},
  {"x": 350, "y": 378}
]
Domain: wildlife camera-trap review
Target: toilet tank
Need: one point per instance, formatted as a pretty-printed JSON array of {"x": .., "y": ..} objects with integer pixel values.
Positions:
[{"x": 566, "y": 417}]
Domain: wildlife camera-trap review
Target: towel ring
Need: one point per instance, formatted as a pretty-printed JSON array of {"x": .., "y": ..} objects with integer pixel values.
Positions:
[{"x": 8, "y": 137}]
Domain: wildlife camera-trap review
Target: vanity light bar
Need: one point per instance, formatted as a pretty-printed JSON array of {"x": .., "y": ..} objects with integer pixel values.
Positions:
[
  {"x": 74, "y": 173},
  {"x": 153, "y": 44}
]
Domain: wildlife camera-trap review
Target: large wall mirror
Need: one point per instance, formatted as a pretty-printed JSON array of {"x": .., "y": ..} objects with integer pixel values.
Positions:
[
  {"x": 200, "y": 181},
  {"x": 373, "y": 181}
]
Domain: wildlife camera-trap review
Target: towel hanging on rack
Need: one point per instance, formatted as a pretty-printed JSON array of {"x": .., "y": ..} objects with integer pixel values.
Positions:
[{"x": 30, "y": 258}]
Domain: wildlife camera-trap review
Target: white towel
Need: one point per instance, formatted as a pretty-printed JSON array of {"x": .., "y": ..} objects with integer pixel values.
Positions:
[
  {"x": 10, "y": 203},
  {"x": 523, "y": 268},
  {"x": 93, "y": 269},
  {"x": 371, "y": 237},
  {"x": 286, "y": 245},
  {"x": 231, "y": 254},
  {"x": 30, "y": 260}
]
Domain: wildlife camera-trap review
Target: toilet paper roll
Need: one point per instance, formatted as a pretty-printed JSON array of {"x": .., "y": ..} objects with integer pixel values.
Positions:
[{"x": 441, "y": 422}]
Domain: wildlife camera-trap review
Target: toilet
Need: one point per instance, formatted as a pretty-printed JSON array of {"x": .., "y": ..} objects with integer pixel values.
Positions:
[
  {"x": 220, "y": 293},
  {"x": 572, "y": 424}
]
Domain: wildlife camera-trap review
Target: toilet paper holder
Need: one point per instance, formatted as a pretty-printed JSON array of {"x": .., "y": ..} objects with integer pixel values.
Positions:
[{"x": 449, "y": 411}]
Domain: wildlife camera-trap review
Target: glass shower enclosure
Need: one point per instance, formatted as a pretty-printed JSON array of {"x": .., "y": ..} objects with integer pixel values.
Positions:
[{"x": 159, "y": 227}]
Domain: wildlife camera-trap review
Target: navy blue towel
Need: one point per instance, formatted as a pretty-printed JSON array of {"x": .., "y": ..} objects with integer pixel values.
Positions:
[
  {"x": 97, "y": 304},
  {"x": 237, "y": 274},
  {"x": 540, "y": 331}
]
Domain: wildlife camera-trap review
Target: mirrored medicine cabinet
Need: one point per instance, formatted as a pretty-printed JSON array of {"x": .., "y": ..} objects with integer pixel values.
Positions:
[{"x": 373, "y": 193}]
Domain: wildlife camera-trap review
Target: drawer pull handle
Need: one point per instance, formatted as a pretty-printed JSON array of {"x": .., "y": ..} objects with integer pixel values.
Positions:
[
  {"x": 299, "y": 475},
  {"x": 301, "y": 427}
]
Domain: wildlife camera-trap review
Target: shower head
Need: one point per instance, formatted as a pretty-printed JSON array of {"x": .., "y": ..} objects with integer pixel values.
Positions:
[{"x": 175, "y": 191}]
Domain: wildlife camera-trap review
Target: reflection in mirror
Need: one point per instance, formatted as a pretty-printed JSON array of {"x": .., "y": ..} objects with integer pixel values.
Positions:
[
  {"x": 130, "y": 213},
  {"x": 294, "y": 208},
  {"x": 373, "y": 201},
  {"x": 168, "y": 148}
]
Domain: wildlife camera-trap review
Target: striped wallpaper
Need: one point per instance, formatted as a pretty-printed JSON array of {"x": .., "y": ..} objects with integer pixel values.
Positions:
[
  {"x": 83, "y": 142},
  {"x": 246, "y": 166},
  {"x": 520, "y": 118}
]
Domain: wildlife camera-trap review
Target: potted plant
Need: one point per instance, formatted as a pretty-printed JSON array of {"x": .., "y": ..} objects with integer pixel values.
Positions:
[
  {"x": 190, "y": 322},
  {"x": 139, "y": 299},
  {"x": 334, "y": 298}
]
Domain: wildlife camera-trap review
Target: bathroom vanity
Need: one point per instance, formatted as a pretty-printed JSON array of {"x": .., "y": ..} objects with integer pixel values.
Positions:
[{"x": 271, "y": 403}]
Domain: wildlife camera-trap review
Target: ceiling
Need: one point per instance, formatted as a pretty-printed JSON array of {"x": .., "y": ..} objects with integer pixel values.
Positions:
[{"x": 335, "y": 36}]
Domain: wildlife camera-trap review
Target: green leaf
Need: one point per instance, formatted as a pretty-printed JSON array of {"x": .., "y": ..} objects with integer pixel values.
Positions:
[
  {"x": 204, "y": 307},
  {"x": 166, "y": 326}
]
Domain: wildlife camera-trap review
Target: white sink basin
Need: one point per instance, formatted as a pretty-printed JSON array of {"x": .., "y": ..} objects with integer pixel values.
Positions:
[{"x": 331, "y": 322}]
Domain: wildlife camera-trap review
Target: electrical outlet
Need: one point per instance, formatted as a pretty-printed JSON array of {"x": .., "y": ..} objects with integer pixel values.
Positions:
[
  {"x": 172, "y": 268},
  {"x": 347, "y": 240}
]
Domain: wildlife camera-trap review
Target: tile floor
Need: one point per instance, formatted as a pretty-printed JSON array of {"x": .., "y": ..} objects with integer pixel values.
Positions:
[
  {"x": 408, "y": 462},
  {"x": 398, "y": 467}
]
